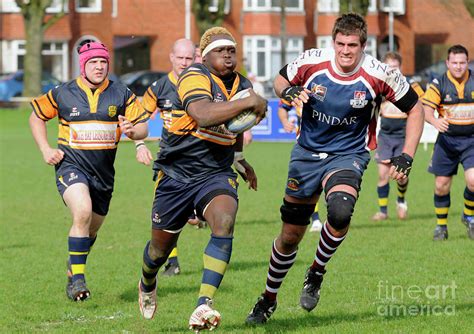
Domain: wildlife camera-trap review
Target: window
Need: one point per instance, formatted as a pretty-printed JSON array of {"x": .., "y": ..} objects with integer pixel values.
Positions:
[
  {"x": 10, "y": 6},
  {"x": 370, "y": 47},
  {"x": 372, "y": 6},
  {"x": 323, "y": 42},
  {"x": 263, "y": 54},
  {"x": 272, "y": 5},
  {"x": 54, "y": 56},
  {"x": 88, "y": 6},
  {"x": 56, "y": 5},
  {"x": 328, "y": 6}
]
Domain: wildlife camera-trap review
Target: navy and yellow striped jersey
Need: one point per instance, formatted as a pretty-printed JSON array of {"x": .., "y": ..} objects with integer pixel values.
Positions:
[
  {"x": 88, "y": 123},
  {"x": 393, "y": 121},
  {"x": 453, "y": 101},
  {"x": 190, "y": 152}
]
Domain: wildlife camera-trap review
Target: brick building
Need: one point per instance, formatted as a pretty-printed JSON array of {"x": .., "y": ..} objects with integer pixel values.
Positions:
[{"x": 141, "y": 32}]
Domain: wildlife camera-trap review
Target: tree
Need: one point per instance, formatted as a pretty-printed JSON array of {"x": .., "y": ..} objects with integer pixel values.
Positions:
[
  {"x": 470, "y": 6},
  {"x": 205, "y": 18},
  {"x": 34, "y": 13},
  {"x": 356, "y": 6}
]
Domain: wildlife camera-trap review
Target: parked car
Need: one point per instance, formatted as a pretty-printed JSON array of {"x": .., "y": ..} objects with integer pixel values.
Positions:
[
  {"x": 139, "y": 81},
  {"x": 426, "y": 75},
  {"x": 11, "y": 84}
]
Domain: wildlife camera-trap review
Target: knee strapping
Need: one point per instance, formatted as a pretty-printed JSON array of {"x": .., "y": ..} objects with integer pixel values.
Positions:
[
  {"x": 340, "y": 209},
  {"x": 345, "y": 176},
  {"x": 295, "y": 213}
]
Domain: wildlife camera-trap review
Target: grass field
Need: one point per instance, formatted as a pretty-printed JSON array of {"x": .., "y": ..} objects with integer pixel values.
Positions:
[{"x": 386, "y": 277}]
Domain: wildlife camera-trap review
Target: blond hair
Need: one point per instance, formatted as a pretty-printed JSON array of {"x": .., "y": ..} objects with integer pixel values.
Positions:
[{"x": 211, "y": 32}]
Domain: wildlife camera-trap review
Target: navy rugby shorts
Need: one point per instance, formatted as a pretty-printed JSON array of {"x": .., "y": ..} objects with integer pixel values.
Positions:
[
  {"x": 67, "y": 175},
  {"x": 176, "y": 201},
  {"x": 388, "y": 147},
  {"x": 449, "y": 151},
  {"x": 307, "y": 169}
]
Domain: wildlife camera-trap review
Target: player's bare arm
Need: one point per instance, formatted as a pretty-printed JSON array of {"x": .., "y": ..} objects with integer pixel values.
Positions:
[
  {"x": 401, "y": 165},
  {"x": 135, "y": 132},
  {"x": 295, "y": 95},
  {"x": 208, "y": 113},
  {"x": 441, "y": 124},
  {"x": 52, "y": 156}
]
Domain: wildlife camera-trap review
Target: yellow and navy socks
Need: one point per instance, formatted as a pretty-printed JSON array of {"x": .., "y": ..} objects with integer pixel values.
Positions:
[
  {"x": 383, "y": 192},
  {"x": 78, "y": 251},
  {"x": 442, "y": 204},
  {"x": 216, "y": 259},
  {"x": 150, "y": 268},
  {"x": 401, "y": 190},
  {"x": 173, "y": 257},
  {"x": 468, "y": 202}
]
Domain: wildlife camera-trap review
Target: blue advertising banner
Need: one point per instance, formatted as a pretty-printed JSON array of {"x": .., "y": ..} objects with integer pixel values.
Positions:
[{"x": 269, "y": 129}]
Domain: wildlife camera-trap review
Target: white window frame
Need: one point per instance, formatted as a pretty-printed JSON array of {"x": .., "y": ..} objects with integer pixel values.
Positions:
[
  {"x": 372, "y": 6},
  {"x": 10, "y": 6},
  {"x": 11, "y": 50},
  {"x": 56, "y": 5},
  {"x": 328, "y": 6},
  {"x": 370, "y": 47},
  {"x": 324, "y": 42},
  {"x": 96, "y": 8},
  {"x": 271, "y": 44},
  {"x": 253, "y": 6}
]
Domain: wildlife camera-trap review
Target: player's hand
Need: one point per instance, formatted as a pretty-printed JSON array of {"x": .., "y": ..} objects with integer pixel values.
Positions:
[
  {"x": 144, "y": 155},
  {"x": 296, "y": 95},
  {"x": 401, "y": 166},
  {"x": 126, "y": 127},
  {"x": 441, "y": 124},
  {"x": 251, "y": 177},
  {"x": 289, "y": 127},
  {"x": 260, "y": 105},
  {"x": 52, "y": 156}
]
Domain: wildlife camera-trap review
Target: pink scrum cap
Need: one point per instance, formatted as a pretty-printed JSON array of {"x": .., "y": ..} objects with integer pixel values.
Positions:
[{"x": 89, "y": 51}]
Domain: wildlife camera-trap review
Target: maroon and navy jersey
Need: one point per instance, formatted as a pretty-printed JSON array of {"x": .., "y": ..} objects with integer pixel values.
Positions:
[
  {"x": 341, "y": 114},
  {"x": 453, "y": 101},
  {"x": 190, "y": 152},
  {"x": 88, "y": 123}
]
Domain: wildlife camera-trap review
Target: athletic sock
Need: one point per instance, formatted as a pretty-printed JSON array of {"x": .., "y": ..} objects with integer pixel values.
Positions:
[
  {"x": 328, "y": 244},
  {"x": 173, "y": 257},
  {"x": 383, "y": 192},
  {"x": 78, "y": 251},
  {"x": 401, "y": 191},
  {"x": 150, "y": 268},
  {"x": 278, "y": 267},
  {"x": 442, "y": 204},
  {"x": 468, "y": 202},
  {"x": 216, "y": 260}
]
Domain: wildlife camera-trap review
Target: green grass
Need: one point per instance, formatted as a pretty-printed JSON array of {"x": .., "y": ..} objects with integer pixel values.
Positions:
[{"x": 397, "y": 255}]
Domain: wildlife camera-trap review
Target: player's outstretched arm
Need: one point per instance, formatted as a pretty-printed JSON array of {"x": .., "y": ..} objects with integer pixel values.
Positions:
[
  {"x": 208, "y": 113},
  {"x": 51, "y": 156}
]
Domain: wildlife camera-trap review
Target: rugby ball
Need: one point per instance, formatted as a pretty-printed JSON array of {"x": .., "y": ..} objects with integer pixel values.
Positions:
[{"x": 245, "y": 120}]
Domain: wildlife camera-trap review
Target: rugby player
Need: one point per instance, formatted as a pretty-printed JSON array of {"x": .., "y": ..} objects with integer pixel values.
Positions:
[
  {"x": 194, "y": 171},
  {"x": 339, "y": 89},
  {"x": 93, "y": 112}
]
